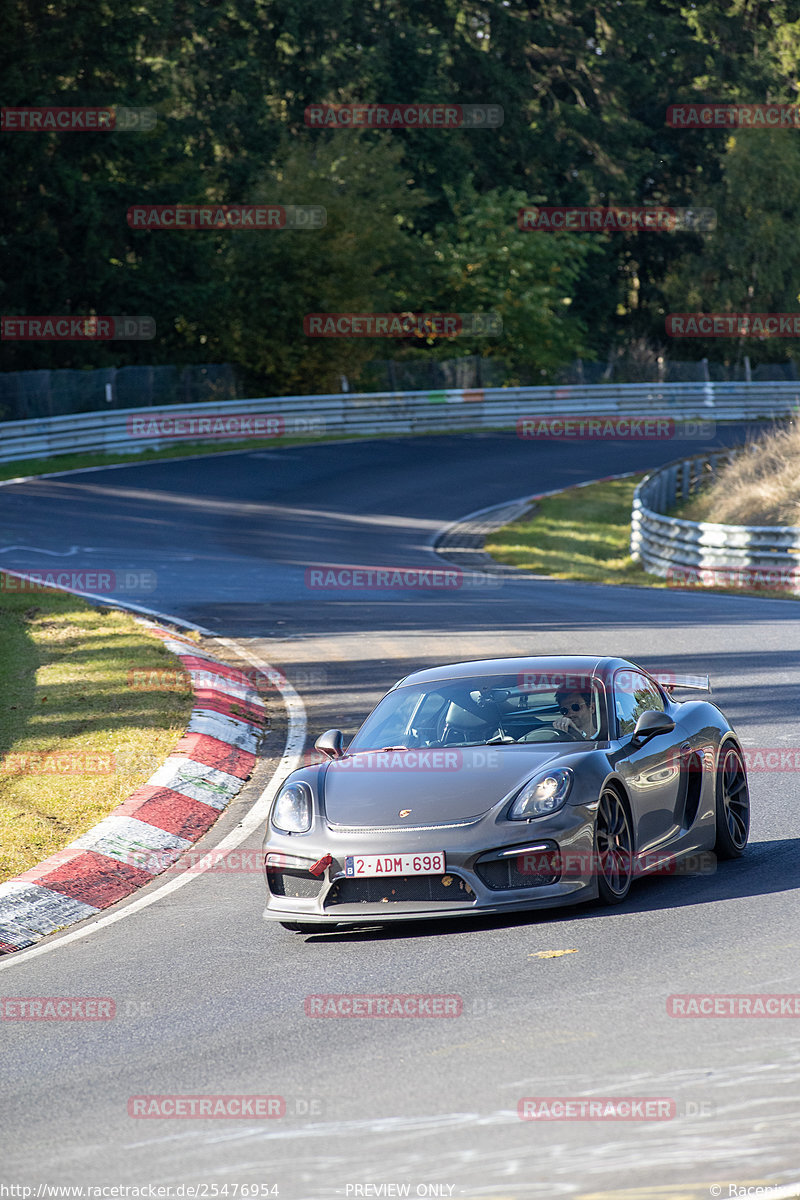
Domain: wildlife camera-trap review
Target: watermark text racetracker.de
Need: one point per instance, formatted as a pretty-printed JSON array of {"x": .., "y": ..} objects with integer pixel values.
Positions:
[
  {"x": 96, "y": 581},
  {"x": 596, "y": 1108},
  {"x": 611, "y": 1108},
  {"x": 387, "y": 1005},
  {"x": 566, "y": 864},
  {"x": 227, "y": 216},
  {"x": 620, "y": 219},
  {"x": 214, "y": 426},
  {"x": 58, "y": 763},
  {"x": 735, "y": 1005},
  {"x": 77, "y": 120},
  {"x": 143, "y": 1191},
  {"x": 179, "y": 861},
  {"x": 733, "y": 325},
  {"x": 404, "y": 116},
  {"x": 582, "y": 427},
  {"x": 478, "y": 758},
  {"x": 754, "y": 579},
  {"x": 724, "y": 115},
  {"x": 84, "y": 762},
  {"x": 772, "y": 758},
  {"x": 176, "y": 679},
  {"x": 70, "y": 328},
  {"x": 219, "y": 1107},
  {"x": 57, "y": 1008},
  {"x": 627, "y": 681},
  {"x": 72, "y": 1008},
  {"x": 401, "y": 325},
  {"x": 358, "y": 579}
]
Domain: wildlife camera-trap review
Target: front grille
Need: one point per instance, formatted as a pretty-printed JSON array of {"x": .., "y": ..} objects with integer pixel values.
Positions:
[
  {"x": 520, "y": 871},
  {"x": 372, "y": 829},
  {"x": 298, "y": 884},
  {"x": 400, "y": 889}
]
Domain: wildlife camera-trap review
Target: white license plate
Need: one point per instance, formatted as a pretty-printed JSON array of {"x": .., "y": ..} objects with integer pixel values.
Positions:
[{"x": 430, "y": 863}]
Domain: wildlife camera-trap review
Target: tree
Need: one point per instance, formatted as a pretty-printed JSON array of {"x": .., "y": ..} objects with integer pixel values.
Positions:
[
  {"x": 367, "y": 259},
  {"x": 584, "y": 88},
  {"x": 486, "y": 264},
  {"x": 751, "y": 263}
]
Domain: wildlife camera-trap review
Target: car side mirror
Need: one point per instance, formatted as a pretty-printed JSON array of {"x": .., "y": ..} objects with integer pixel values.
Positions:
[
  {"x": 651, "y": 723},
  {"x": 330, "y": 743}
]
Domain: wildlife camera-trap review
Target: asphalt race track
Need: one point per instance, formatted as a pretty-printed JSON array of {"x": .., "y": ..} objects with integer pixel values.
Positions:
[{"x": 210, "y": 1000}]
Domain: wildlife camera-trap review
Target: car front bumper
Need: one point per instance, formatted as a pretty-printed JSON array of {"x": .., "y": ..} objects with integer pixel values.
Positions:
[{"x": 477, "y": 856}]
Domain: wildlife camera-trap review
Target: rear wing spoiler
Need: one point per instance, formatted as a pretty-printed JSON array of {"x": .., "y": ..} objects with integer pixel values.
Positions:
[{"x": 694, "y": 683}]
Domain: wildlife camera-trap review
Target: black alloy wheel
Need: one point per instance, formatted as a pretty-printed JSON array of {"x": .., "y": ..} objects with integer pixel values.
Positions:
[
  {"x": 614, "y": 848},
  {"x": 732, "y": 804}
]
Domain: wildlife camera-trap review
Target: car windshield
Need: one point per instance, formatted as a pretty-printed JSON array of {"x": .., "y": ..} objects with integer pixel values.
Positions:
[{"x": 484, "y": 710}]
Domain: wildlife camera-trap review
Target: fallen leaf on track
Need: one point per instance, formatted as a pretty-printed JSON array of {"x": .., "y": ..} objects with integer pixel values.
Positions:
[{"x": 551, "y": 953}]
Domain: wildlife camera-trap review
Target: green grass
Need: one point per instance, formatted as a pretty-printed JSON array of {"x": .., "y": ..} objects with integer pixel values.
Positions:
[
  {"x": 583, "y": 533},
  {"x": 72, "y": 462},
  {"x": 66, "y": 693}
]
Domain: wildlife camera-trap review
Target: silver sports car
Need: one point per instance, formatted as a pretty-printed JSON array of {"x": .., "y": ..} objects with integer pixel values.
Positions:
[{"x": 506, "y": 784}]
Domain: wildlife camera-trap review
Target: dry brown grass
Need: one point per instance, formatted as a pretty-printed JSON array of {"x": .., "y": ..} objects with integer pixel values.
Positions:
[{"x": 760, "y": 487}]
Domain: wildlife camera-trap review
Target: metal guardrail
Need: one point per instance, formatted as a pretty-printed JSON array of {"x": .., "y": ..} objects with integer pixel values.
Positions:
[
  {"x": 393, "y": 412},
  {"x": 701, "y": 552}
]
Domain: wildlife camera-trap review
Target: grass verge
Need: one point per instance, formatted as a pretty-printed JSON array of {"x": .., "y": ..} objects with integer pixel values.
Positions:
[
  {"x": 75, "y": 738},
  {"x": 73, "y": 462},
  {"x": 583, "y": 533}
]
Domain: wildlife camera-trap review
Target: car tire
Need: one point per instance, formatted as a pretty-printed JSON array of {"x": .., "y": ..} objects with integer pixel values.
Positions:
[
  {"x": 732, "y": 803},
  {"x": 613, "y": 843}
]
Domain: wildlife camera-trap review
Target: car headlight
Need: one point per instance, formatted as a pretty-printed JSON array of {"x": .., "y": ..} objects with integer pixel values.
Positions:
[
  {"x": 291, "y": 812},
  {"x": 544, "y": 795}
]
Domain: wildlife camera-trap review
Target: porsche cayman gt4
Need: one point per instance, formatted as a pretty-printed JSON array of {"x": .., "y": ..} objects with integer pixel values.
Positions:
[{"x": 507, "y": 784}]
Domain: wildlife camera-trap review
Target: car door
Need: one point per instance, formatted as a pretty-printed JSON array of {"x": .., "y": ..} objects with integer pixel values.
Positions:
[{"x": 651, "y": 771}]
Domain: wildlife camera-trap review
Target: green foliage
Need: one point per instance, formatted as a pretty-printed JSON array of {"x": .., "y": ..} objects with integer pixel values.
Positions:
[
  {"x": 751, "y": 263},
  {"x": 581, "y": 533},
  {"x": 485, "y": 264},
  {"x": 416, "y": 218},
  {"x": 366, "y": 259}
]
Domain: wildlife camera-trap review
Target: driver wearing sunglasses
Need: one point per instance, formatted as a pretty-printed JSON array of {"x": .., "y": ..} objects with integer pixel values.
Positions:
[{"x": 576, "y": 714}]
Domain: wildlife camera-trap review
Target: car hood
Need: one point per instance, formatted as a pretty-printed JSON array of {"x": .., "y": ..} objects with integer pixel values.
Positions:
[{"x": 369, "y": 790}]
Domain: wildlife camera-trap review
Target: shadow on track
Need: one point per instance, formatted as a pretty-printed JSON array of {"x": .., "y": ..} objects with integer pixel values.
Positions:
[{"x": 766, "y": 867}]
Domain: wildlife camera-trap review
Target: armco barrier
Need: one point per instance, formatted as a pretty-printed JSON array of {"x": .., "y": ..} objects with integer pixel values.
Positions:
[
  {"x": 700, "y": 551},
  {"x": 407, "y": 412}
]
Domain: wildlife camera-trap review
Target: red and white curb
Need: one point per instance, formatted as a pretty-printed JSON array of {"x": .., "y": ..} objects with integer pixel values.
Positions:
[{"x": 145, "y": 834}]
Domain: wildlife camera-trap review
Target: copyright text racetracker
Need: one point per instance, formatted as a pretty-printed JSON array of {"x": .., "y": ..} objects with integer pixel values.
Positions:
[
  {"x": 388, "y": 578},
  {"x": 383, "y": 1006},
  {"x": 144, "y": 1191}
]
